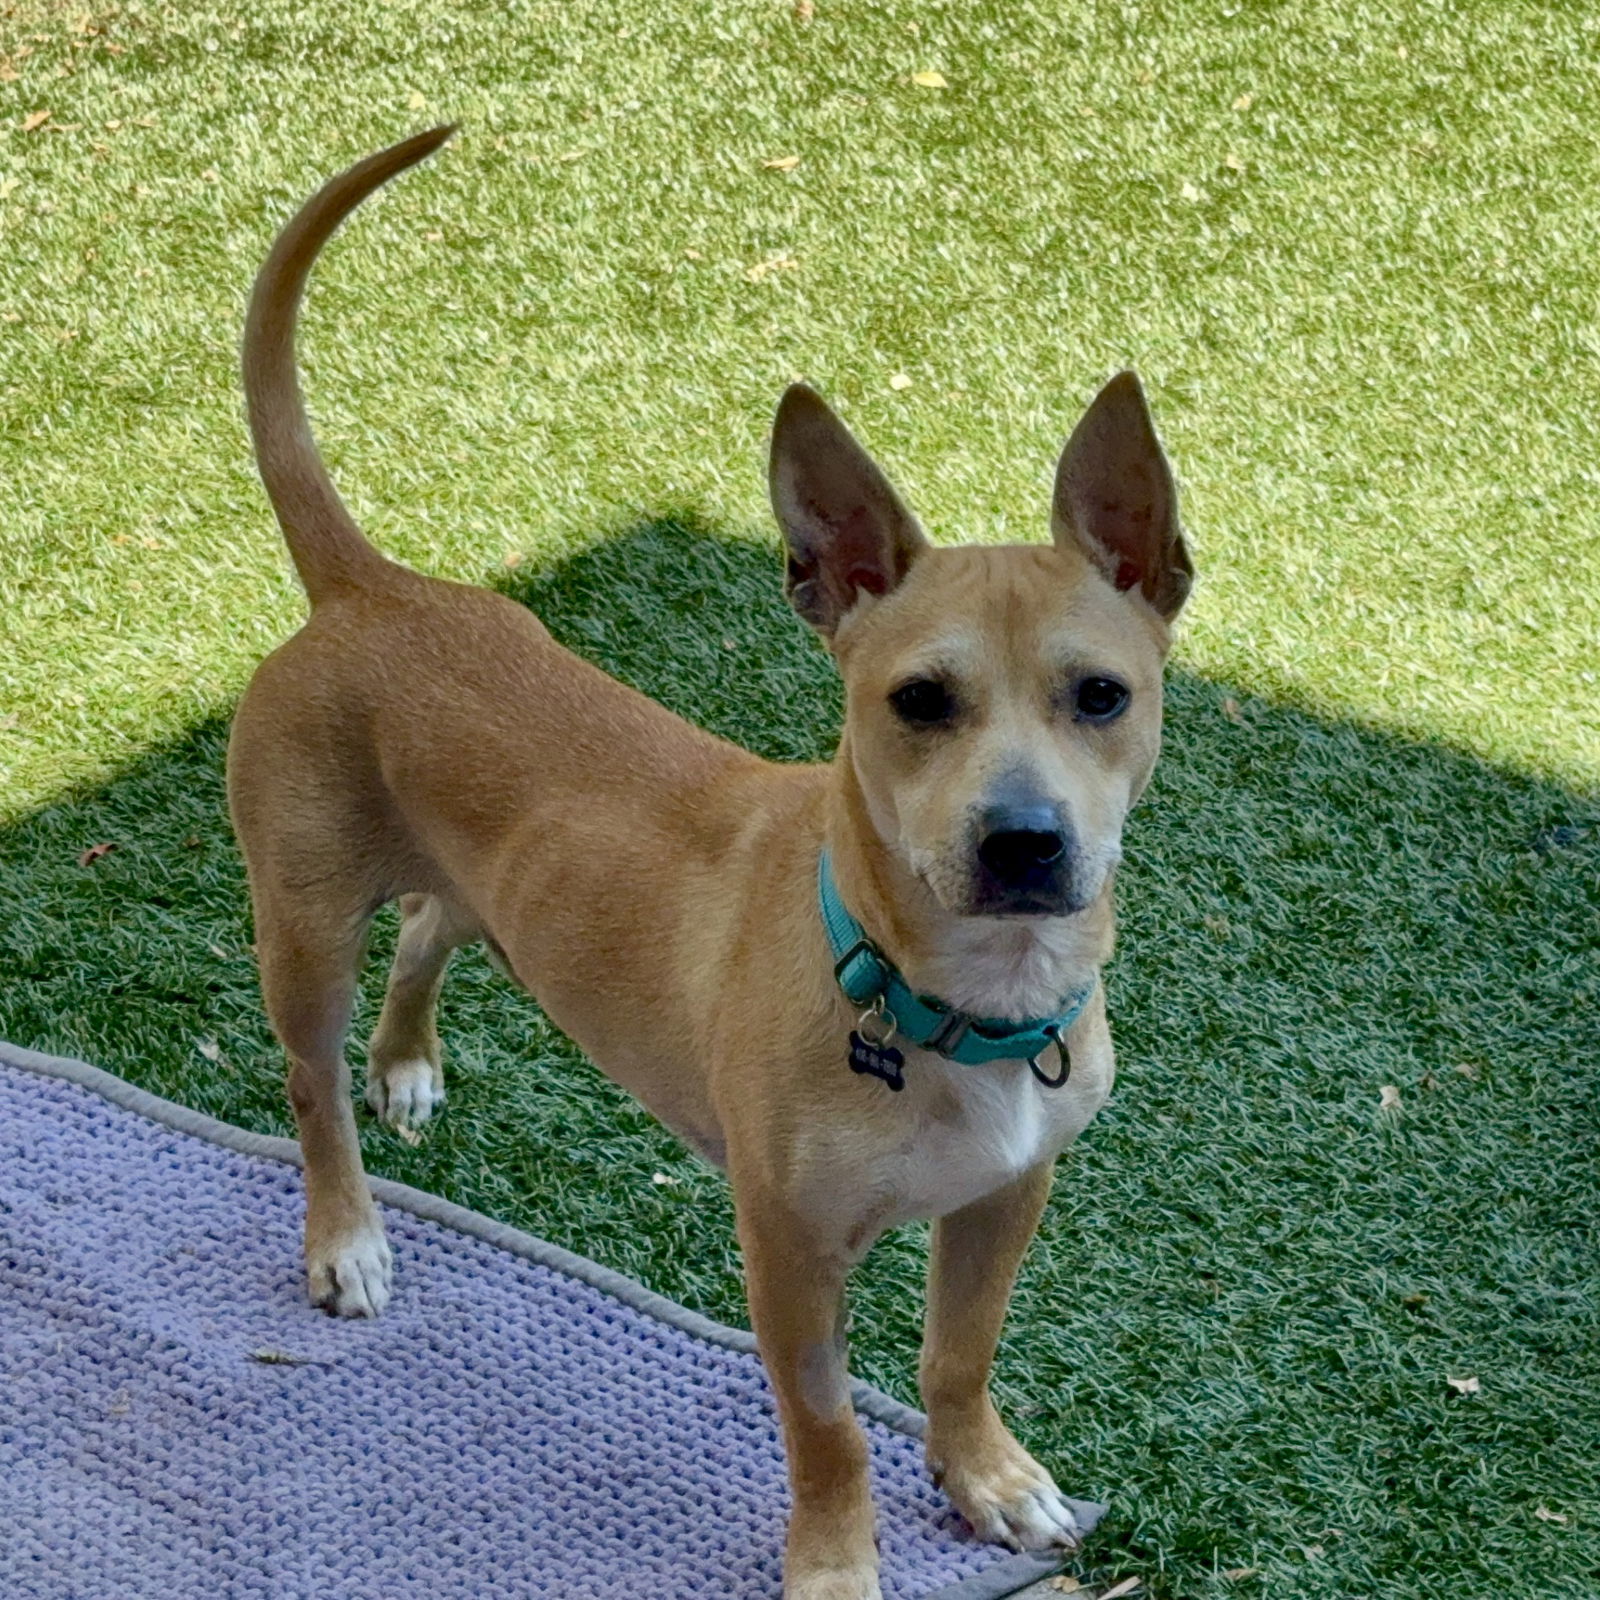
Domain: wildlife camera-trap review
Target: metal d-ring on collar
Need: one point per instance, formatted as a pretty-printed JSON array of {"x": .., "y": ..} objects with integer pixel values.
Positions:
[{"x": 1066, "y": 1062}]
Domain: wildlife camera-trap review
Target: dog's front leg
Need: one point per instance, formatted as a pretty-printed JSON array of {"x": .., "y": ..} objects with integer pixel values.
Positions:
[
  {"x": 996, "y": 1485},
  {"x": 796, "y": 1292}
]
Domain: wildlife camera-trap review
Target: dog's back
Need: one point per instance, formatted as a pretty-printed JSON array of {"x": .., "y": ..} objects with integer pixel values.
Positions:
[{"x": 411, "y": 734}]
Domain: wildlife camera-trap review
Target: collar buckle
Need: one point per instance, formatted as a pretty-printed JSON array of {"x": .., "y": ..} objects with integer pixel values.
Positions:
[
  {"x": 946, "y": 1038},
  {"x": 862, "y": 972}
]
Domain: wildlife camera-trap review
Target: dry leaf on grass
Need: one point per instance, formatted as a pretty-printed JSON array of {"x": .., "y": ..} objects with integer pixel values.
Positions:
[
  {"x": 209, "y": 1048},
  {"x": 1189, "y": 192},
  {"x": 804, "y": 10},
  {"x": 418, "y": 100},
  {"x": 1233, "y": 163},
  {"x": 782, "y": 163},
  {"x": 1230, "y": 709},
  {"x": 1236, "y": 1573},
  {"x": 1065, "y": 1584},
  {"x": 1467, "y": 1070},
  {"x": 34, "y": 119},
  {"x": 1388, "y": 1098},
  {"x": 1545, "y": 1514},
  {"x": 1127, "y": 1586},
  {"x": 1464, "y": 1385},
  {"x": 661, "y": 1179},
  {"x": 1244, "y": 102},
  {"x": 930, "y": 80},
  {"x": 900, "y": 381},
  {"x": 93, "y": 854},
  {"x": 409, "y": 1136},
  {"x": 761, "y": 269}
]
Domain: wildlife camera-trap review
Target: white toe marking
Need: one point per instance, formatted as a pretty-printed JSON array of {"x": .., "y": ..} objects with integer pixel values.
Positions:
[
  {"x": 1020, "y": 1514},
  {"x": 352, "y": 1279},
  {"x": 410, "y": 1092},
  {"x": 1044, "y": 1519}
]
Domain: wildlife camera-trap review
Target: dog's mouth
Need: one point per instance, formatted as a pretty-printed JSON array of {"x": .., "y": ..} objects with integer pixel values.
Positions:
[
  {"x": 972, "y": 895},
  {"x": 1013, "y": 905},
  {"x": 1046, "y": 884}
]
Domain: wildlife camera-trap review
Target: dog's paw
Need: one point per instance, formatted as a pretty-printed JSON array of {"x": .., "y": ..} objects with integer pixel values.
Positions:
[
  {"x": 1005, "y": 1494},
  {"x": 404, "y": 1096},
  {"x": 351, "y": 1278}
]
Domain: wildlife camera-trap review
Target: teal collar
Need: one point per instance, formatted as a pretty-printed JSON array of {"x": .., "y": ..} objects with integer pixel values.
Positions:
[{"x": 869, "y": 980}]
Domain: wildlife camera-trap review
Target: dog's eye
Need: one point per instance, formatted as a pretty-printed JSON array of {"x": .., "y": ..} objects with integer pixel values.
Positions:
[
  {"x": 923, "y": 702},
  {"x": 1099, "y": 699}
]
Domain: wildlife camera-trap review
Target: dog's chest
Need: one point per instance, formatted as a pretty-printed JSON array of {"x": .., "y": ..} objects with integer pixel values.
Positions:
[{"x": 965, "y": 1132}]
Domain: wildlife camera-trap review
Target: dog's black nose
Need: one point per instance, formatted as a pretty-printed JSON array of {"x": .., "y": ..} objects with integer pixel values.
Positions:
[
  {"x": 1017, "y": 855},
  {"x": 1022, "y": 847}
]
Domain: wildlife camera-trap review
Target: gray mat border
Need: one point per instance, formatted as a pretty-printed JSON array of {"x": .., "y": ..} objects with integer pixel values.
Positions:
[{"x": 1006, "y": 1579}]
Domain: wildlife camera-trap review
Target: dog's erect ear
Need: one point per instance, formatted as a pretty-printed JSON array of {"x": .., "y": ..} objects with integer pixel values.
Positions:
[
  {"x": 847, "y": 532},
  {"x": 1116, "y": 502}
]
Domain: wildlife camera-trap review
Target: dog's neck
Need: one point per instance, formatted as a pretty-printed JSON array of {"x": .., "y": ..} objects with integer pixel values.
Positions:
[{"x": 1007, "y": 968}]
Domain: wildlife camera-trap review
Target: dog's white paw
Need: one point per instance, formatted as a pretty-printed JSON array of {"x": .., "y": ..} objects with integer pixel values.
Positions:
[
  {"x": 1011, "y": 1500},
  {"x": 1035, "y": 1518},
  {"x": 405, "y": 1095},
  {"x": 351, "y": 1278}
]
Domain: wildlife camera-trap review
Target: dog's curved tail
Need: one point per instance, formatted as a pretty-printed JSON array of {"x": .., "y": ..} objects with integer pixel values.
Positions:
[{"x": 330, "y": 552}]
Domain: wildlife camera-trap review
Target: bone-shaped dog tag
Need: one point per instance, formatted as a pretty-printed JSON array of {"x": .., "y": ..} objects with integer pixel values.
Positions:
[{"x": 877, "y": 1061}]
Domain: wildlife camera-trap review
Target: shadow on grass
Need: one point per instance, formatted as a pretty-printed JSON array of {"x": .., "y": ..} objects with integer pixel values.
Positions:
[{"x": 1252, "y": 1286}]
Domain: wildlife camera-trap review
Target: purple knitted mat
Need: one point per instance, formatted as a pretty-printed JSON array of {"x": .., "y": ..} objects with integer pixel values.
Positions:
[{"x": 176, "y": 1421}]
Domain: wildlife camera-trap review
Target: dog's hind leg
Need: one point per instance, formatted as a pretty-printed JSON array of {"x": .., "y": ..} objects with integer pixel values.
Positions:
[
  {"x": 405, "y": 1079},
  {"x": 309, "y": 959}
]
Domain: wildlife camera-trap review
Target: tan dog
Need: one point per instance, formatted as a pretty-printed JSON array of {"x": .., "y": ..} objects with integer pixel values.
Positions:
[{"x": 658, "y": 890}]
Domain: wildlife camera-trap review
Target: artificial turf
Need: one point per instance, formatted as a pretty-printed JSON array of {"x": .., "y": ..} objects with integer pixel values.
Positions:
[{"x": 1352, "y": 250}]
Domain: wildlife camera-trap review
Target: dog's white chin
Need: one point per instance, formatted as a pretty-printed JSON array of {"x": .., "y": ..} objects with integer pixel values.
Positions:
[{"x": 1011, "y": 968}]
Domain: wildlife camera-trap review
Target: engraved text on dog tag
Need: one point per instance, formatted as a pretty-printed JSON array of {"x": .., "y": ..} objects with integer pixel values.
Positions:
[{"x": 877, "y": 1061}]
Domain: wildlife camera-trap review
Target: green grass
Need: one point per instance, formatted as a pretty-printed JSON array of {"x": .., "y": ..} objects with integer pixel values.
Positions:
[{"x": 1364, "y": 306}]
